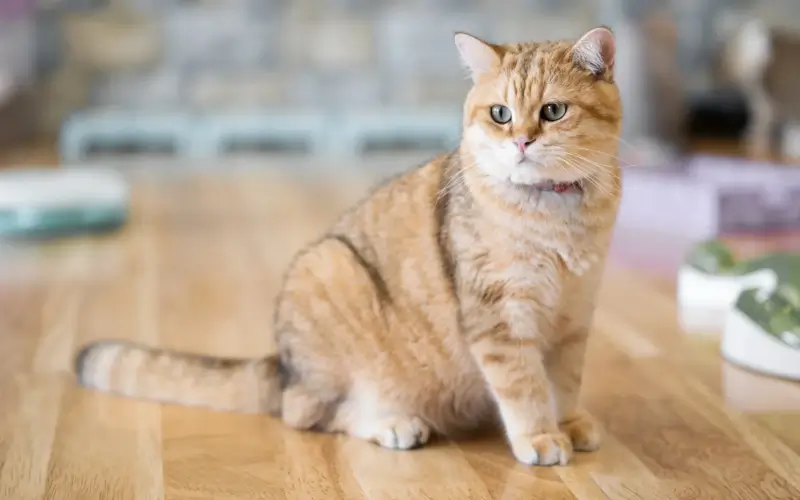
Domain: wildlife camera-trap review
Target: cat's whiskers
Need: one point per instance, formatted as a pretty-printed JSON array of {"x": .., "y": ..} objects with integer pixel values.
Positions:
[
  {"x": 604, "y": 153},
  {"x": 571, "y": 160},
  {"x": 633, "y": 148},
  {"x": 565, "y": 150},
  {"x": 456, "y": 180},
  {"x": 591, "y": 178},
  {"x": 617, "y": 138},
  {"x": 607, "y": 167},
  {"x": 587, "y": 175}
]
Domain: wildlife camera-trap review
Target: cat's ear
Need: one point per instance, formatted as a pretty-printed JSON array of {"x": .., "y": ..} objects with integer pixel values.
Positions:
[
  {"x": 478, "y": 56},
  {"x": 595, "y": 51}
]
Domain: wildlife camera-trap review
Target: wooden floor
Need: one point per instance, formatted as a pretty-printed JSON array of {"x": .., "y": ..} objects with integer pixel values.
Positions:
[{"x": 196, "y": 269}]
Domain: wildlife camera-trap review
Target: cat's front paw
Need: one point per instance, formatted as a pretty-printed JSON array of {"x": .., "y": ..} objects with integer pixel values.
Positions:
[
  {"x": 542, "y": 449},
  {"x": 584, "y": 432}
]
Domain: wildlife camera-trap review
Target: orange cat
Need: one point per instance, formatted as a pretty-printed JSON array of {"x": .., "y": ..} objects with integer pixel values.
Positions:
[{"x": 459, "y": 292}]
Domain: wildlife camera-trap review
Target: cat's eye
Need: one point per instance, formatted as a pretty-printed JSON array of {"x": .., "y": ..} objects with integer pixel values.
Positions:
[
  {"x": 500, "y": 114},
  {"x": 553, "y": 111}
]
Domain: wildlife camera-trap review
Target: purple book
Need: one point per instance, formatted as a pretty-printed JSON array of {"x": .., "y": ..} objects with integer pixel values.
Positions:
[
  {"x": 12, "y": 10},
  {"x": 706, "y": 196}
]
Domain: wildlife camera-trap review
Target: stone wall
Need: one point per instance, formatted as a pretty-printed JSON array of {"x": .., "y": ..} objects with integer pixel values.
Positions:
[
  {"x": 356, "y": 53},
  {"x": 310, "y": 53}
]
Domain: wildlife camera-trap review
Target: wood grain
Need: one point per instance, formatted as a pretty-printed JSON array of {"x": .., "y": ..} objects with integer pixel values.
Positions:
[{"x": 197, "y": 267}]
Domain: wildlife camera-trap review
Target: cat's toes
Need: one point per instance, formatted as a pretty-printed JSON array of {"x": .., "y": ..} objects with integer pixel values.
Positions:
[
  {"x": 584, "y": 432},
  {"x": 403, "y": 433},
  {"x": 543, "y": 449}
]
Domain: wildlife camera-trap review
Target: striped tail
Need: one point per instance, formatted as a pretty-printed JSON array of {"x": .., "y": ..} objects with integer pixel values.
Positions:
[{"x": 224, "y": 384}]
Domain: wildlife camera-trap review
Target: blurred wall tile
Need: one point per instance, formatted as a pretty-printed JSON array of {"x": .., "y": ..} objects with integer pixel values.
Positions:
[
  {"x": 264, "y": 10},
  {"x": 235, "y": 89},
  {"x": 612, "y": 12},
  {"x": 450, "y": 5},
  {"x": 340, "y": 43},
  {"x": 414, "y": 40},
  {"x": 49, "y": 43},
  {"x": 17, "y": 50},
  {"x": 783, "y": 13},
  {"x": 336, "y": 91},
  {"x": 305, "y": 89},
  {"x": 108, "y": 41},
  {"x": 552, "y": 6},
  {"x": 78, "y": 5},
  {"x": 150, "y": 6},
  {"x": 532, "y": 27},
  {"x": 424, "y": 90},
  {"x": 353, "y": 7},
  {"x": 162, "y": 87},
  {"x": 225, "y": 36},
  {"x": 328, "y": 44},
  {"x": 357, "y": 90}
]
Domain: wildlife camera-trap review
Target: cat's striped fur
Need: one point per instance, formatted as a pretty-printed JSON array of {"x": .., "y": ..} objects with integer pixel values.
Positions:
[{"x": 454, "y": 294}]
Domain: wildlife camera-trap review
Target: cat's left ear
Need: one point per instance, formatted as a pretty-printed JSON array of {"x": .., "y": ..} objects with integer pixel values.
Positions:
[
  {"x": 595, "y": 51},
  {"x": 480, "y": 57}
]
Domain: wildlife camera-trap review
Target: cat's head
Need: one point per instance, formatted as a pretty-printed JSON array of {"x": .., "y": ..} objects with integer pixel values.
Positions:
[{"x": 542, "y": 112}]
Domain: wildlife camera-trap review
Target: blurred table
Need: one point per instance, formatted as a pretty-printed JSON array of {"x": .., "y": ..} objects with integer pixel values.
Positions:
[{"x": 197, "y": 269}]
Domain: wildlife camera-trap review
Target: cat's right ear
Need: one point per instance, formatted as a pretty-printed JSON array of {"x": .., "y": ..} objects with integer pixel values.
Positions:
[
  {"x": 595, "y": 51},
  {"x": 478, "y": 56}
]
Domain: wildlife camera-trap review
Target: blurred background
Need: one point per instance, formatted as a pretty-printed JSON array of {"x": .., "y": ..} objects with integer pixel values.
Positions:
[
  {"x": 165, "y": 61},
  {"x": 195, "y": 82},
  {"x": 162, "y": 161}
]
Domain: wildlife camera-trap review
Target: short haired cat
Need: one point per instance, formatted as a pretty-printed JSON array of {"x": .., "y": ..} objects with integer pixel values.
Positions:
[{"x": 459, "y": 292}]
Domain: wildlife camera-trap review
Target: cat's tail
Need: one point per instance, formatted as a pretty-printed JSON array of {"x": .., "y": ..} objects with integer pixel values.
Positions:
[{"x": 224, "y": 384}]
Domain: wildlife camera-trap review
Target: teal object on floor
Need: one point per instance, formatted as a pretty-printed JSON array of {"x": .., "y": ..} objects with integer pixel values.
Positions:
[
  {"x": 755, "y": 302},
  {"x": 61, "y": 202}
]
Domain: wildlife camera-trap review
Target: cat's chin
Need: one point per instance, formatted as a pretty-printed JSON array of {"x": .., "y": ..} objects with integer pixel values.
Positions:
[
  {"x": 528, "y": 180},
  {"x": 532, "y": 177}
]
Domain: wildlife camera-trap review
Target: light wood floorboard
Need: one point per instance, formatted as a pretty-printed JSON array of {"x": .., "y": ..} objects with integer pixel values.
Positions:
[{"x": 196, "y": 268}]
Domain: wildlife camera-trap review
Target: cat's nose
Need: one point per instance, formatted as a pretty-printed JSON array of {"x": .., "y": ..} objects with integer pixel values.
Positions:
[{"x": 523, "y": 142}]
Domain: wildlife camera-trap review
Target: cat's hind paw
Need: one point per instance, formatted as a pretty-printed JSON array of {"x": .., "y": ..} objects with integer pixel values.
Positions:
[
  {"x": 402, "y": 433},
  {"x": 584, "y": 432},
  {"x": 543, "y": 449}
]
